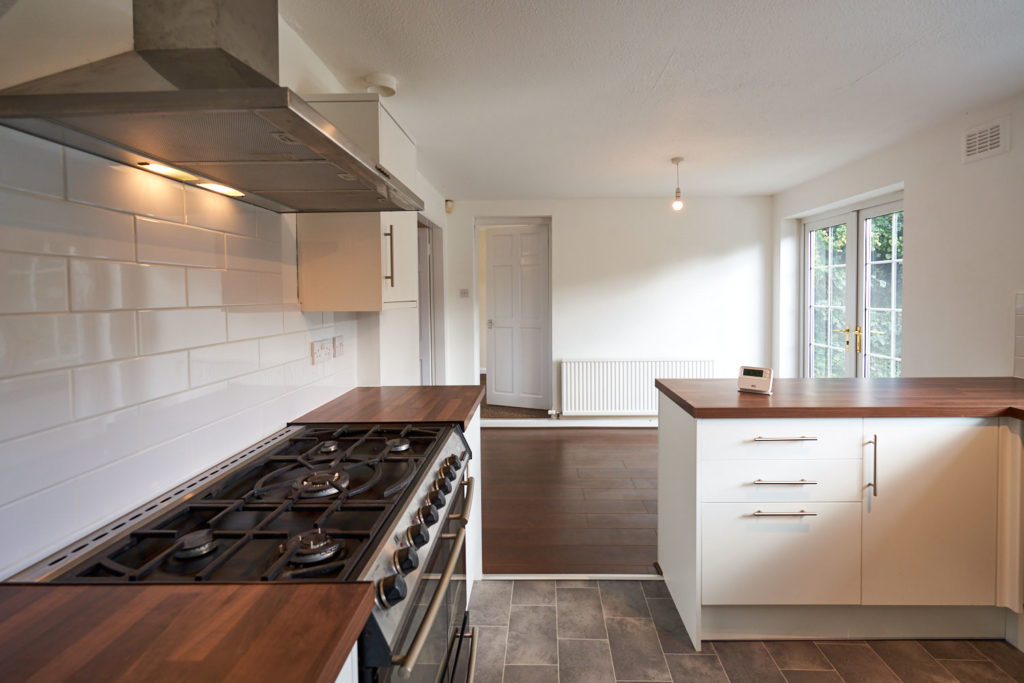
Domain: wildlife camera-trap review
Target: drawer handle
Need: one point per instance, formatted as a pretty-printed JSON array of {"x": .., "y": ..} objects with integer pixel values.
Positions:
[
  {"x": 800, "y": 482},
  {"x": 784, "y": 438},
  {"x": 802, "y": 513}
]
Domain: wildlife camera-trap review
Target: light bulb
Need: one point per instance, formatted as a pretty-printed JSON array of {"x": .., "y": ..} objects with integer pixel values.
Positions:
[
  {"x": 223, "y": 189},
  {"x": 168, "y": 171},
  {"x": 677, "y": 205}
]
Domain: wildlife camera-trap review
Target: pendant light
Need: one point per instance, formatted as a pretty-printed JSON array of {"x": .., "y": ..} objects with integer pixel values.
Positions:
[{"x": 677, "y": 203}]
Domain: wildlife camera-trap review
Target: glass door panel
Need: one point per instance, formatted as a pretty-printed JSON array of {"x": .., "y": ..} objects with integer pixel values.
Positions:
[
  {"x": 883, "y": 292},
  {"x": 830, "y": 299}
]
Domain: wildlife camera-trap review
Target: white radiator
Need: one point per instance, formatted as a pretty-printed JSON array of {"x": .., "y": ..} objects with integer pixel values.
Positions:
[{"x": 621, "y": 387}]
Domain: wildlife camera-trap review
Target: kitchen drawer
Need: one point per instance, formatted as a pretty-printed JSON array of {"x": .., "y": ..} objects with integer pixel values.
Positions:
[
  {"x": 781, "y": 438},
  {"x": 733, "y": 481},
  {"x": 750, "y": 560}
]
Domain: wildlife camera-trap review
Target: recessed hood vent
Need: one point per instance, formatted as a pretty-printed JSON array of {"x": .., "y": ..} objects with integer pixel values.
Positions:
[{"x": 204, "y": 100}]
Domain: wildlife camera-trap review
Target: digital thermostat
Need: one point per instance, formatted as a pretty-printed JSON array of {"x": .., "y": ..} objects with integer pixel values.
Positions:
[{"x": 755, "y": 380}]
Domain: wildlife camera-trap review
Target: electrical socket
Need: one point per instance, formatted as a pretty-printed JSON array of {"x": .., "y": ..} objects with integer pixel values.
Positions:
[
  {"x": 339, "y": 346},
  {"x": 320, "y": 351}
]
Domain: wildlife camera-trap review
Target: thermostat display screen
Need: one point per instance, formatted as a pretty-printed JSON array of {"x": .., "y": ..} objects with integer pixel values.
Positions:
[{"x": 751, "y": 372}]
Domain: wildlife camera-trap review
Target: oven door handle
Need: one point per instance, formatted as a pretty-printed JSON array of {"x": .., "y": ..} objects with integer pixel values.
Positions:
[
  {"x": 407, "y": 662},
  {"x": 470, "y": 485}
]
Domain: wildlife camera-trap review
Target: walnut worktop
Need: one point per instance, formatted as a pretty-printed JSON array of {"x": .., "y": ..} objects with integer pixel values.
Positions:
[
  {"x": 400, "y": 404},
  {"x": 246, "y": 632},
  {"x": 901, "y": 397}
]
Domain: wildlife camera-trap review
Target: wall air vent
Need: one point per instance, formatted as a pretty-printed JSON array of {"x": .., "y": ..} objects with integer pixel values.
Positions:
[{"x": 988, "y": 140}]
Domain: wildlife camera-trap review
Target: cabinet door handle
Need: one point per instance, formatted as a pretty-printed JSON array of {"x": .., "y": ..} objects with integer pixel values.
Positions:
[
  {"x": 874, "y": 467},
  {"x": 761, "y": 439},
  {"x": 794, "y": 482},
  {"x": 390, "y": 234},
  {"x": 801, "y": 513}
]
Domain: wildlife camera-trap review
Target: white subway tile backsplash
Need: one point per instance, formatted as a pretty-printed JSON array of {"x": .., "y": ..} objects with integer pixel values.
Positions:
[
  {"x": 205, "y": 287},
  {"x": 217, "y": 363},
  {"x": 107, "y": 285},
  {"x": 32, "y": 343},
  {"x": 33, "y": 284},
  {"x": 33, "y": 403},
  {"x": 102, "y": 388},
  {"x": 169, "y": 330},
  {"x": 289, "y": 261},
  {"x": 208, "y": 209},
  {"x": 48, "y": 226},
  {"x": 283, "y": 349},
  {"x": 295, "y": 320},
  {"x": 170, "y": 417},
  {"x": 163, "y": 242},
  {"x": 246, "y": 287},
  {"x": 97, "y": 442},
  {"x": 271, "y": 226},
  {"x": 246, "y": 322},
  {"x": 244, "y": 253},
  {"x": 38, "y": 167},
  {"x": 96, "y": 181}
]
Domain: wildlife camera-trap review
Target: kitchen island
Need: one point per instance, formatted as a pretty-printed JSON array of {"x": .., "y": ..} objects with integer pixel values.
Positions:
[{"x": 843, "y": 508}]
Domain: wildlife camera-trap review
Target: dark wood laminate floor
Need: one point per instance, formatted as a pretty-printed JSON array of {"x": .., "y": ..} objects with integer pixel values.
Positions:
[
  {"x": 616, "y": 631},
  {"x": 569, "y": 501}
]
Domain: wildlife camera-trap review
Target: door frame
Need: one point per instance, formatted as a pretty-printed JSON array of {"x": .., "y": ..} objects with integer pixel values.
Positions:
[
  {"x": 436, "y": 298},
  {"x": 494, "y": 222}
]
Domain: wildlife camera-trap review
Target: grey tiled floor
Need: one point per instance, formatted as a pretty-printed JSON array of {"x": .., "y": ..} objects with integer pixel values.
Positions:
[{"x": 616, "y": 631}]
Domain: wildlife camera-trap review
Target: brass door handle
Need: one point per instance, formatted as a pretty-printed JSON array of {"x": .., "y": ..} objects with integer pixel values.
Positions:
[
  {"x": 847, "y": 331},
  {"x": 859, "y": 334}
]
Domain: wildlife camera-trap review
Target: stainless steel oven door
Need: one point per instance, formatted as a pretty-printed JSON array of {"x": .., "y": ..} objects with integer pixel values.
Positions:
[{"x": 431, "y": 644}]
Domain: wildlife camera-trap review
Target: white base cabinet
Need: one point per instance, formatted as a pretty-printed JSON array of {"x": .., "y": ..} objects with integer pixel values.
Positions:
[{"x": 759, "y": 514}]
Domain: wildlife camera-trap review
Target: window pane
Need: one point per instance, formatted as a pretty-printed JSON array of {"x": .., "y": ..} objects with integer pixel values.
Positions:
[
  {"x": 879, "y": 367},
  {"x": 820, "y": 368},
  {"x": 880, "y": 237},
  {"x": 838, "y": 362},
  {"x": 819, "y": 247},
  {"x": 898, "y": 334},
  {"x": 838, "y": 285},
  {"x": 898, "y": 231},
  {"x": 898, "y": 369},
  {"x": 880, "y": 333},
  {"x": 820, "y": 326},
  {"x": 880, "y": 288},
  {"x": 898, "y": 289},
  {"x": 839, "y": 245},
  {"x": 819, "y": 283}
]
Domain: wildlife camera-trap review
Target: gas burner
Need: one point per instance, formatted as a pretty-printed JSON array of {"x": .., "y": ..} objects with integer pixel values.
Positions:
[
  {"x": 329, "y": 447},
  {"x": 195, "y": 544},
  {"x": 311, "y": 547},
  {"x": 397, "y": 445},
  {"x": 320, "y": 484}
]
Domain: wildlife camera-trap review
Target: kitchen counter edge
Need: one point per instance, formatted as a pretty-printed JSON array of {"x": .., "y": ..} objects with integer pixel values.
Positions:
[{"x": 443, "y": 403}]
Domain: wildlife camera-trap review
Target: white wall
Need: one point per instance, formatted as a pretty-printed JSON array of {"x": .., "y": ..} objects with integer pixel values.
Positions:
[
  {"x": 148, "y": 330},
  {"x": 299, "y": 67},
  {"x": 963, "y": 247},
  {"x": 631, "y": 279}
]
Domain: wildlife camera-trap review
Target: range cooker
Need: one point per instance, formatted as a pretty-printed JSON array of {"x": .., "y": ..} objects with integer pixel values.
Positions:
[{"x": 385, "y": 503}]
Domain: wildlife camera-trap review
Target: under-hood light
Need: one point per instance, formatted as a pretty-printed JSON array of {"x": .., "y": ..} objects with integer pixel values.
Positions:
[
  {"x": 222, "y": 189},
  {"x": 168, "y": 171}
]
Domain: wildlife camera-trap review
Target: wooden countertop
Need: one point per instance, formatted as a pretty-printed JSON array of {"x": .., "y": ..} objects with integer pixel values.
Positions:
[
  {"x": 901, "y": 397},
  {"x": 400, "y": 404},
  {"x": 246, "y": 632}
]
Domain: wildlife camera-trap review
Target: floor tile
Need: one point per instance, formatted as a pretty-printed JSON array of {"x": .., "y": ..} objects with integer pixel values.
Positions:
[
  {"x": 576, "y": 583},
  {"x": 747, "y": 662},
  {"x": 489, "y": 603},
  {"x": 533, "y": 593},
  {"x": 696, "y": 668},
  {"x": 531, "y": 674},
  {"x": 806, "y": 676},
  {"x": 579, "y": 614},
  {"x": 973, "y": 671},
  {"x": 636, "y": 653},
  {"x": 857, "y": 662},
  {"x": 531, "y": 635},
  {"x": 796, "y": 654},
  {"x": 951, "y": 649},
  {"x": 655, "y": 589},
  {"x": 584, "y": 661},
  {"x": 911, "y": 661},
  {"x": 671, "y": 632},
  {"x": 490, "y": 656},
  {"x": 1005, "y": 656},
  {"x": 623, "y": 599}
]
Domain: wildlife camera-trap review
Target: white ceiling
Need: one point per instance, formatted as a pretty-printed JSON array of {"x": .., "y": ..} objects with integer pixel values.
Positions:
[{"x": 585, "y": 98}]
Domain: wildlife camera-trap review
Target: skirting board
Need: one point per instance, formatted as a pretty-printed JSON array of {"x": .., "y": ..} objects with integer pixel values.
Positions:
[
  {"x": 570, "y": 577},
  {"x": 573, "y": 423},
  {"x": 851, "y": 622}
]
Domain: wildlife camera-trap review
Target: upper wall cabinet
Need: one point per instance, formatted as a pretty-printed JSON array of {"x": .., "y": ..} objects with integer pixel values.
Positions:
[{"x": 364, "y": 120}]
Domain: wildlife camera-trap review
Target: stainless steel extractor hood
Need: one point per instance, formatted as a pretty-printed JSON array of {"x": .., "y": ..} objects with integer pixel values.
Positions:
[{"x": 199, "y": 94}]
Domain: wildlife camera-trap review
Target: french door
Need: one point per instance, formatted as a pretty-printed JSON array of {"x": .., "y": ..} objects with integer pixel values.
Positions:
[{"x": 854, "y": 293}]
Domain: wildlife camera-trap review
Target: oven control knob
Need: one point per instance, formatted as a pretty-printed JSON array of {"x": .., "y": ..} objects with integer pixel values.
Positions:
[
  {"x": 427, "y": 516},
  {"x": 391, "y": 590},
  {"x": 406, "y": 560},
  {"x": 450, "y": 473},
  {"x": 443, "y": 485},
  {"x": 436, "y": 499},
  {"x": 418, "y": 535},
  {"x": 453, "y": 462}
]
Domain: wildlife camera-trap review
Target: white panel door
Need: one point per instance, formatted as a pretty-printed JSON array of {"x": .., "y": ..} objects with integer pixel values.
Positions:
[
  {"x": 518, "y": 317},
  {"x": 930, "y": 532}
]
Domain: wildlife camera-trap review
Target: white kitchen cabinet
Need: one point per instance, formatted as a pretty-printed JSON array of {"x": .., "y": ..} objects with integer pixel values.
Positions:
[
  {"x": 356, "y": 261},
  {"x": 930, "y": 527}
]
